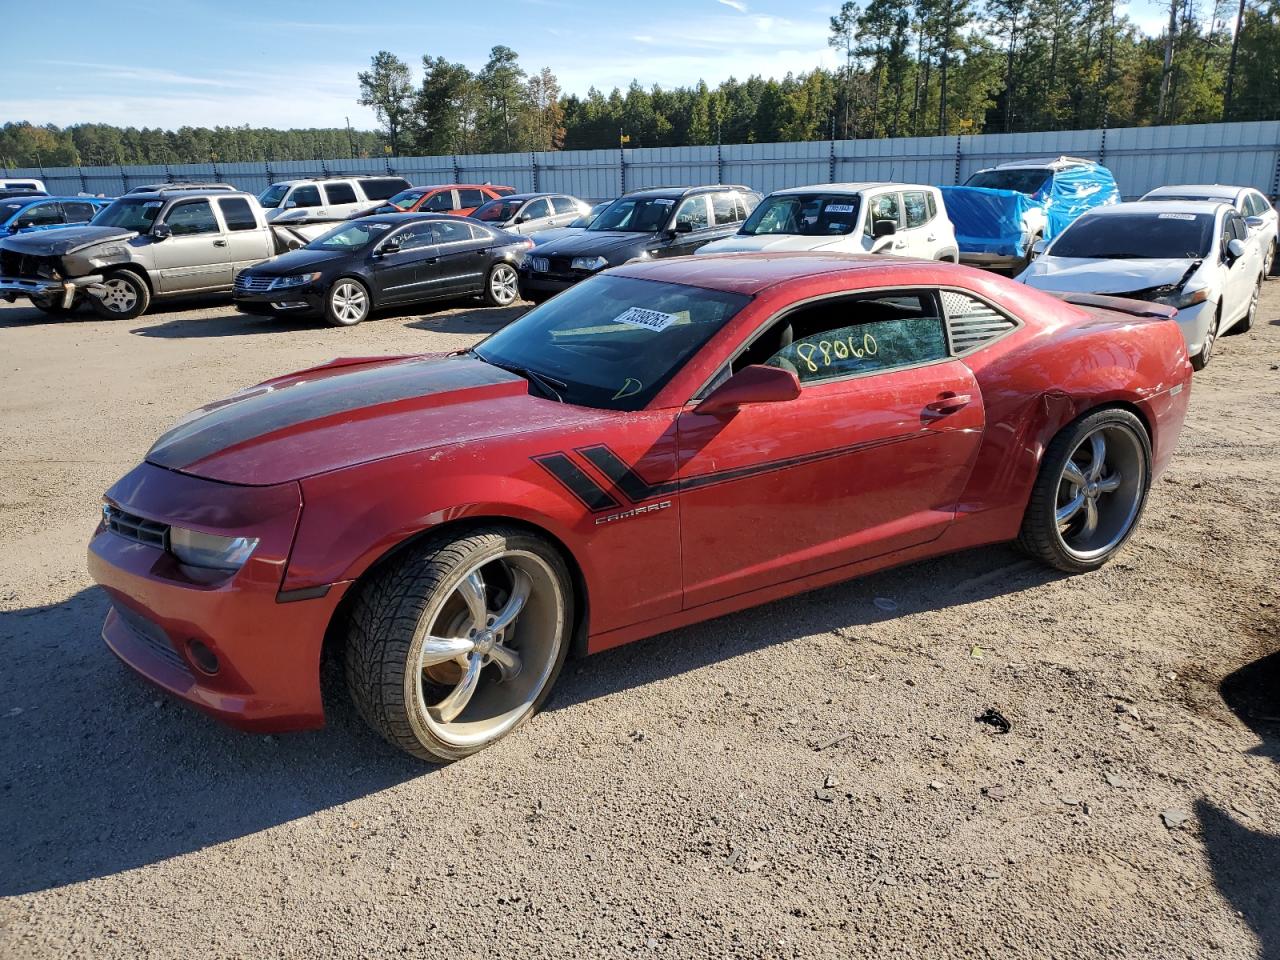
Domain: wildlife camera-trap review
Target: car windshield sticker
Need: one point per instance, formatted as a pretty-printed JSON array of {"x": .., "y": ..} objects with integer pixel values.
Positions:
[
  {"x": 663, "y": 202},
  {"x": 152, "y": 203},
  {"x": 379, "y": 226},
  {"x": 839, "y": 208},
  {"x": 649, "y": 319},
  {"x": 1176, "y": 216}
]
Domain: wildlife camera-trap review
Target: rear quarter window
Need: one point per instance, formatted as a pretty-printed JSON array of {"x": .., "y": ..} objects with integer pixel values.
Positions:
[{"x": 382, "y": 188}]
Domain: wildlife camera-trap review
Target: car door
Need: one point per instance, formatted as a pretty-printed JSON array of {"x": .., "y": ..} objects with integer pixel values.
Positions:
[
  {"x": 915, "y": 238},
  {"x": 339, "y": 199},
  {"x": 692, "y": 223},
  {"x": 1242, "y": 272},
  {"x": 442, "y": 201},
  {"x": 462, "y": 257},
  {"x": 47, "y": 214},
  {"x": 881, "y": 206},
  {"x": 404, "y": 265},
  {"x": 869, "y": 459},
  {"x": 533, "y": 216},
  {"x": 247, "y": 242},
  {"x": 195, "y": 256},
  {"x": 468, "y": 199},
  {"x": 564, "y": 210},
  {"x": 304, "y": 201}
]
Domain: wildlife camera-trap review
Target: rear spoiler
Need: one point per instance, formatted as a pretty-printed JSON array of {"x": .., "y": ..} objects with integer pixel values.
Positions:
[{"x": 1135, "y": 308}]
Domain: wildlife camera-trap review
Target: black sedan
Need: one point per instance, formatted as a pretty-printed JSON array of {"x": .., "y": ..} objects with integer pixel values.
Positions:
[{"x": 388, "y": 260}]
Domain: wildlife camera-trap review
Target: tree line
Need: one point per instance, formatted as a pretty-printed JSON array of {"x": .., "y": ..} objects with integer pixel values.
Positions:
[{"x": 905, "y": 68}]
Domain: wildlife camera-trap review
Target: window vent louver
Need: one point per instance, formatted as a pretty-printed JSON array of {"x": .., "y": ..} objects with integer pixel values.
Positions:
[{"x": 971, "y": 322}]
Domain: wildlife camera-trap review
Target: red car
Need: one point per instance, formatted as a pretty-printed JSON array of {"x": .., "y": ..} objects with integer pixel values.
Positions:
[
  {"x": 665, "y": 442},
  {"x": 460, "y": 199}
]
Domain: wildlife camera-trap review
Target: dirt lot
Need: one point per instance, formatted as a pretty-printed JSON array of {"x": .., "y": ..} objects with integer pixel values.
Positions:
[{"x": 805, "y": 780}]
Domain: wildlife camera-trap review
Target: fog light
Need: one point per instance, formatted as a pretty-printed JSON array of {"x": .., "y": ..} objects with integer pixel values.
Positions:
[{"x": 203, "y": 657}]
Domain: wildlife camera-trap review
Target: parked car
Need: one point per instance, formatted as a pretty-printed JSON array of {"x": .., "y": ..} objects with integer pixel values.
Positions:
[
  {"x": 20, "y": 192},
  {"x": 205, "y": 185},
  {"x": 395, "y": 258},
  {"x": 22, "y": 183},
  {"x": 527, "y": 213},
  {"x": 459, "y": 199},
  {"x": 900, "y": 218},
  {"x": 646, "y": 224},
  {"x": 450, "y": 526},
  {"x": 575, "y": 227},
  {"x": 139, "y": 248},
  {"x": 1002, "y": 212},
  {"x": 327, "y": 198},
  {"x": 24, "y": 214},
  {"x": 1259, "y": 215},
  {"x": 1194, "y": 255}
]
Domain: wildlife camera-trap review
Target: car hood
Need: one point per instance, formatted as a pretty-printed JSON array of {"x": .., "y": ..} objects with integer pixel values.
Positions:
[
  {"x": 64, "y": 240},
  {"x": 350, "y": 412},
  {"x": 771, "y": 242},
  {"x": 614, "y": 246},
  {"x": 555, "y": 233},
  {"x": 1079, "y": 275},
  {"x": 297, "y": 261}
]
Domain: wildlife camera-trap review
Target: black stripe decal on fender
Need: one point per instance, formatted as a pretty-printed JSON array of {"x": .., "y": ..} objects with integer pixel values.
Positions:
[
  {"x": 576, "y": 481},
  {"x": 633, "y": 486}
]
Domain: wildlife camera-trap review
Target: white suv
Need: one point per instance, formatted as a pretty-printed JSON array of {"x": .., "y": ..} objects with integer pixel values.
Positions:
[
  {"x": 327, "y": 198},
  {"x": 905, "y": 219}
]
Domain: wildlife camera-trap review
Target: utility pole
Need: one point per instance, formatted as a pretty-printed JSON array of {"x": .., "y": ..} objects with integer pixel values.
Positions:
[{"x": 351, "y": 140}]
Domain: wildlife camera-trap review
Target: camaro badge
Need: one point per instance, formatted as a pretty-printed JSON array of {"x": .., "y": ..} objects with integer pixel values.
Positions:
[{"x": 648, "y": 508}]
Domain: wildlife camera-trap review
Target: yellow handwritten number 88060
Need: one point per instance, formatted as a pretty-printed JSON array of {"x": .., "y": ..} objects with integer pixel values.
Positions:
[{"x": 833, "y": 350}]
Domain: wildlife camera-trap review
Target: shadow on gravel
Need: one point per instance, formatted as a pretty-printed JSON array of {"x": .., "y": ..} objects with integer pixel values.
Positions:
[
  {"x": 474, "y": 320},
  {"x": 454, "y": 317},
  {"x": 1245, "y": 861},
  {"x": 101, "y": 773}
]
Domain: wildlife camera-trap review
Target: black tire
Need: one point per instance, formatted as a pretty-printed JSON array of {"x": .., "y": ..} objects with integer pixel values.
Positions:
[
  {"x": 1201, "y": 359},
  {"x": 501, "y": 285},
  {"x": 389, "y": 622},
  {"x": 1041, "y": 535},
  {"x": 57, "y": 309},
  {"x": 347, "y": 302},
  {"x": 536, "y": 296},
  {"x": 127, "y": 296}
]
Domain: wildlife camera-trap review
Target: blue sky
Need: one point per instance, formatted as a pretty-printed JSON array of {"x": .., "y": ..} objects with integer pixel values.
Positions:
[{"x": 288, "y": 63}]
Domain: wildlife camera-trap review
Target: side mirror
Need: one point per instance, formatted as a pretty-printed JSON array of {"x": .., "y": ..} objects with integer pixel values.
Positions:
[
  {"x": 289, "y": 204},
  {"x": 1037, "y": 248},
  {"x": 389, "y": 247},
  {"x": 1253, "y": 222},
  {"x": 684, "y": 226},
  {"x": 162, "y": 231},
  {"x": 883, "y": 228},
  {"x": 1235, "y": 249},
  {"x": 522, "y": 219},
  {"x": 754, "y": 384}
]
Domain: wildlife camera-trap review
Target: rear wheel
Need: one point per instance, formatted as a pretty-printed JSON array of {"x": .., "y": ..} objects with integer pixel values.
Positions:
[
  {"x": 456, "y": 644},
  {"x": 1201, "y": 359},
  {"x": 501, "y": 286},
  {"x": 126, "y": 295},
  {"x": 1090, "y": 492},
  {"x": 347, "y": 303}
]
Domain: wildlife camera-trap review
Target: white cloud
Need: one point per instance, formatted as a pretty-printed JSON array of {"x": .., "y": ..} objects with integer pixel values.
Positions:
[{"x": 736, "y": 4}]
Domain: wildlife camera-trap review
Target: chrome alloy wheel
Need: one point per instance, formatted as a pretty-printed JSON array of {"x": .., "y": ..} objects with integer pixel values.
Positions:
[
  {"x": 1100, "y": 491},
  {"x": 504, "y": 285},
  {"x": 487, "y": 649},
  {"x": 120, "y": 297},
  {"x": 349, "y": 302}
]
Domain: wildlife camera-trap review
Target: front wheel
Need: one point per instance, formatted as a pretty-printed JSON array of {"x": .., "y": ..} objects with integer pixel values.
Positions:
[
  {"x": 347, "y": 303},
  {"x": 1090, "y": 492},
  {"x": 57, "y": 309},
  {"x": 501, "y": 286},
  {"x": 1201, "y": 359},
  {"x": 459, "y": 641},
  {"x": 125, "y": 296}
]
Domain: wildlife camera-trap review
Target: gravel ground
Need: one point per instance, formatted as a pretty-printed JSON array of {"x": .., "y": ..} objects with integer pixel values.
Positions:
[{"x": 803, "y": 780}]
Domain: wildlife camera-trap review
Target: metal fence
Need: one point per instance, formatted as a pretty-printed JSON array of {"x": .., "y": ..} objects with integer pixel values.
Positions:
[{"x": 1140, "y": 157}]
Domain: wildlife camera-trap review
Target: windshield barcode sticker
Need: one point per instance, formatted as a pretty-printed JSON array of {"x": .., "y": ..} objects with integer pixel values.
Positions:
[
  {"x": 839, "y": 208},
  {"x": 1176, "y": 216},
  {"x": 649, "y": 319}
]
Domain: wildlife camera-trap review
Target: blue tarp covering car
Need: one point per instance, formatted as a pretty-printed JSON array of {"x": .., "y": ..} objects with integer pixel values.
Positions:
[{"x": 1000, "y": 223}]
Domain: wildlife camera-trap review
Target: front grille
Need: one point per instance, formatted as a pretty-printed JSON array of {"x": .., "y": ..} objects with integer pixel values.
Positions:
[
  {"x": 135, "y": 528},
  {"x": 22, "y": 265},
  {"x": 247, "y": 283},
  {"x": 152, "y": 637},
  {"x": 560, "y": 264}
]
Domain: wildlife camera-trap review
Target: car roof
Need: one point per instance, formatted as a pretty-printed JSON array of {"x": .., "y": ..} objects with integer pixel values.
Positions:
[
  {"x": 1037, "y": 163},
  {"x": 188, "y": 192},
  {"x": 532, "y": 196},
  {"x": 851, "y": 188},
  {"x": 410, "y": 216},
  {"x": 686, "y": 191},
  {"x": 1158, "y": 206},
  {"x": 1221, "y": 190},
  {"x": 38, "y": 198}
]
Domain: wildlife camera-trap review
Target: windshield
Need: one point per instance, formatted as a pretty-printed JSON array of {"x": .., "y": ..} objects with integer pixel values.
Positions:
[
  {"x": 401, "y": 201},
  {"x": 129, "y": 214},
  {"x": 808, "y": 215},
  {"x": 1023, "y": 181},
  {"x": 635, "y": 215},
  {"x": 9, "y": 207},
  {"x": 272, "y": 196},
  {"x": 350, "y": 236},
  {"x": 1138, "y": 236},
  {"x": 589, "y": 217},
  {"x": 612, "y": 342},
  {"x": 497, "y": 211}
]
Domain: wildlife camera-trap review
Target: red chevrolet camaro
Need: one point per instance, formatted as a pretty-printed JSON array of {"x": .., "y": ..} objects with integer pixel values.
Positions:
[{"x": 666, "y": 442}]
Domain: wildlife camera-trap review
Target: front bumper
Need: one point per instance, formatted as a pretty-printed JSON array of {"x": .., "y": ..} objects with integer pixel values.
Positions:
[
  {"x": 307, "y": 299},
  {"x": 990, "y": 261},
  {"x": 550, "y": 282},
  {"x": 1194, "y": 324},
  {"x": 57, "y": 292},
  {"x": 267, "y": 646}
]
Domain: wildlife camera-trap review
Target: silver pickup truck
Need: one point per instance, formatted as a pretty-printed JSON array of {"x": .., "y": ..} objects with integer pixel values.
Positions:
[{"x": 143, "y": 247}]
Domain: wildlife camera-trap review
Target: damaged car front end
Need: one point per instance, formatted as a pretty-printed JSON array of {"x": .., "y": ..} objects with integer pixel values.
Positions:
[{"x": 54, "y": 269}]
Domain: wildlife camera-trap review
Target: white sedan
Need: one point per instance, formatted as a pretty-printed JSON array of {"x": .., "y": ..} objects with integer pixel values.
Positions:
[
  {"x": 1196, "y": 256},
  {"x": 905, "y": 219},
  {"x": 1259, "y": 215}
]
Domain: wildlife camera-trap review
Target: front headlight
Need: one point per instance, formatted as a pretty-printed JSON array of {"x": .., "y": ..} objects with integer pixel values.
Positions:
[
  {"x": 589, "y": 263},
  {"x": 301, "y": 280},
  {"x": 1184, "y": 298},
  {"x": 208, "y": 550}
]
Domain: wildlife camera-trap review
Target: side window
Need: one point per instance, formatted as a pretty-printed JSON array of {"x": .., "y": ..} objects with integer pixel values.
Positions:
[
  {"x": 441, "y": 202},
  {"x": 536, "y": 210},
  {"x": 933, "y": 205},
  {"x": 883, "y": 207},
  {"x": 1259, "y": 204},
  {"x": 339, "y": 193},
  {"x": 78, "y": 212},
  {"x": 238, "y": 214},
  {"x": 846, "y": 337},
  {"x": 443, "y": 231},
  {"x": 383, "y": 188},
  {"x": 414, "y": 237},
  {"x": 192, "y": 217},
  {"x": 916, "y": 209},
  {"x": 1239, "y": 228},
  {"x": 41, "y": 214},
  {"x": 694, "y": 212},
  {"x": 470, "y": 197},
  {"x": 563, "y": 205},
  {"x": 971, "y": 322},
  {"x": 724, "y": 209},
  {"x": 305, "y": 196}
]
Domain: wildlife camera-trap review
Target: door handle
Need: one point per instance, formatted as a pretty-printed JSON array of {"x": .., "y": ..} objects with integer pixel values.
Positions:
[
  {"x": 219, "y": 243},
  {"x": 948, "y": 403},
  {"x": 932, "y": 237}
]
